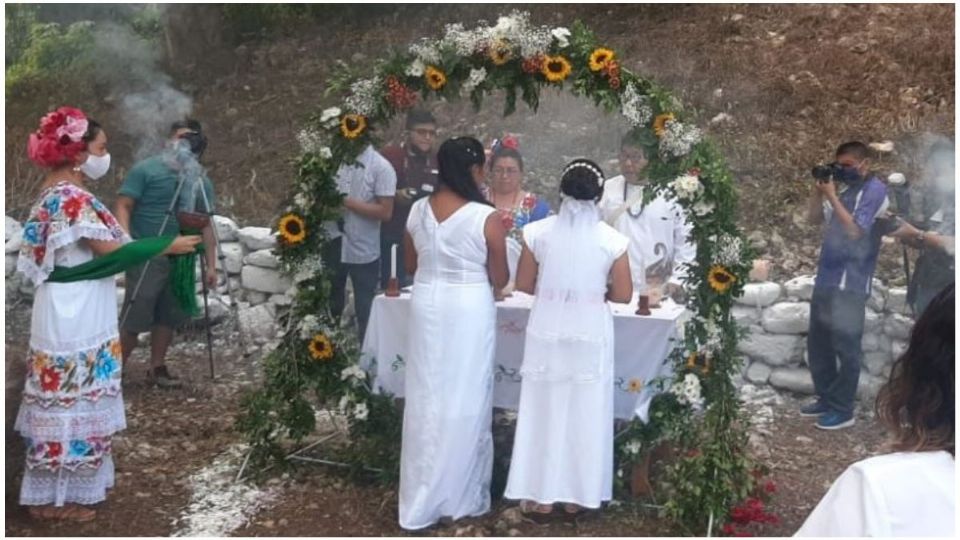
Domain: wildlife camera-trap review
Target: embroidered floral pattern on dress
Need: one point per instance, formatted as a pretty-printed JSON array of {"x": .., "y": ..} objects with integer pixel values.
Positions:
[
  {"x": 61, "y": 208},
  {"x": 73, "y": 455},
  {"x": 514, "y": 221},
  {"x": 63, "y": 379}
]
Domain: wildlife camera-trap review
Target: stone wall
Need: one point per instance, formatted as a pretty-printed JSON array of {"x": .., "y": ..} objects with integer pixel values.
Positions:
[
  {"x": 249, "y": 264},
  {"x": 776, "y": 315}
]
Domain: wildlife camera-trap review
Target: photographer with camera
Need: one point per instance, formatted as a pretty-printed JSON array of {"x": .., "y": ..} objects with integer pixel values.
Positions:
[
  {"x": 934, "y": 235},
  {"x": 848, "y": 199},
  {"x": 143, "y": 202}
]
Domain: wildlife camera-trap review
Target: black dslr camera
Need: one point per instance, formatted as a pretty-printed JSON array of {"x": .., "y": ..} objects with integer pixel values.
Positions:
[{"x": 825, "y": 173}]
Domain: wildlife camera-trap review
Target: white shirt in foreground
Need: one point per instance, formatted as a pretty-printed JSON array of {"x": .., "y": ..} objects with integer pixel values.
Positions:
[{"x": 902, "y": 494}]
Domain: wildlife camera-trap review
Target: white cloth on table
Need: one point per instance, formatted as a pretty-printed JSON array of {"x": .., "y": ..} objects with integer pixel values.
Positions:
[
  {"x": 904, "y": 494},
  {"x": 563, "y": 447},
  {"x": 446, "y": 460},
  {"x": 72, "y": 399},
  {"x": 642, "y": 344},
  {"x": 660, "y": 221}
]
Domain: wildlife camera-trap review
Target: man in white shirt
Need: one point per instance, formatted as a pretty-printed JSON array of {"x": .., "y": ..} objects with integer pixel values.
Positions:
[
  {"x": 658, "y": 232},
  {"x": 354, "y": 247}
]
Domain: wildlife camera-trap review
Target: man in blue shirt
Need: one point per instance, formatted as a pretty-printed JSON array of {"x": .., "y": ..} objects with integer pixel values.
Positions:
[{"x": 849, "y": 203}]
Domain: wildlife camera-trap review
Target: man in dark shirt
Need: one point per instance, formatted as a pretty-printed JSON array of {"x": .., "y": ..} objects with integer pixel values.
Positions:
[
  {"x": 848, "y": 203},
  {"x": 415, "y": 162}
]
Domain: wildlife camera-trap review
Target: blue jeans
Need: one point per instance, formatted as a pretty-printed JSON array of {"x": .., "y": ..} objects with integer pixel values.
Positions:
[{"x": 834, "y": 348}]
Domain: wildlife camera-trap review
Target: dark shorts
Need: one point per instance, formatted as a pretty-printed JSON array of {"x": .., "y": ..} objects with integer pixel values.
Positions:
[{"x": 155, "y": 304}]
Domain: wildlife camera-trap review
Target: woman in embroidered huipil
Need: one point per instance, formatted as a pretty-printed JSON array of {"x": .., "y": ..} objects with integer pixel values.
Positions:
[
  {"x": 515, "y": 206},
  {"x": 72, "y": 402}
]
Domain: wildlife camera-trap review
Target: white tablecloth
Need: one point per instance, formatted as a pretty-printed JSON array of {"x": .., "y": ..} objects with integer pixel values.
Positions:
[{"x": 642, "y": 345}]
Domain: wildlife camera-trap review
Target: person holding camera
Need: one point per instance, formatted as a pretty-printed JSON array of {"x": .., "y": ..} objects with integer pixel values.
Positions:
[
  {"x": 142, "y": 205},
  {"x": 935, "y": 235},
  {"x": 847, "y": 199}
]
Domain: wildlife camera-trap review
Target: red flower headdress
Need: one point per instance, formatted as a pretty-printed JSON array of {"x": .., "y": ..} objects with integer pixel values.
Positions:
[{"x": 59, "y": 137}]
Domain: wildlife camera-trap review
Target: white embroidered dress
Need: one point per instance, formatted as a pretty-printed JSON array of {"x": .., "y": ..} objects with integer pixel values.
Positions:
[
  {"x": 563, "y": 447},
  {"x": 447, "y": 451},
  {"x": 72, "y": 401}
]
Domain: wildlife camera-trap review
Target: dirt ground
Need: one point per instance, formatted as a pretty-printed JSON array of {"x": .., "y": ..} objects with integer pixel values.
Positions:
[{"x": 173, "y": 434}]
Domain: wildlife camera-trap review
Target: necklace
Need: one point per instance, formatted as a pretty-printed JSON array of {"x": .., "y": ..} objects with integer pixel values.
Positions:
[{"x": 630, "y": 208}]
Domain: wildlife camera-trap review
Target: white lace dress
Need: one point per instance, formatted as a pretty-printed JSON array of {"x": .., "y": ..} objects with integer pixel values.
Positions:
[
  {"x": 72, "y": 402},
  {"x": 447, "y": 451}
]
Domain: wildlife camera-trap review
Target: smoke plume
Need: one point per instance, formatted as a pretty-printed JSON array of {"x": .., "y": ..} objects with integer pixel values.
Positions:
[{"x": 146, "y": 98}]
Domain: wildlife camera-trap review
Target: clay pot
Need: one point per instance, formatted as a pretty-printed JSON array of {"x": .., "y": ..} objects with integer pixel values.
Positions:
[{"x": 192, "y": 220}]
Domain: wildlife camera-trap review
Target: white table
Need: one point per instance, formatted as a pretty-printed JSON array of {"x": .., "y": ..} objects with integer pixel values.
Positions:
[{"x": 642, "y": 345}]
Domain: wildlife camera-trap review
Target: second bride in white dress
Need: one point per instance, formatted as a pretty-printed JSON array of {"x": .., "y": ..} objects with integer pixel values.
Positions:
[{"x": 563, "y": 449}]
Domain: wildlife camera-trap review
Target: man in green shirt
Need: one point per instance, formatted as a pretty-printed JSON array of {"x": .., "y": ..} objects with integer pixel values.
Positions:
[{"x": 142, "y": 205}]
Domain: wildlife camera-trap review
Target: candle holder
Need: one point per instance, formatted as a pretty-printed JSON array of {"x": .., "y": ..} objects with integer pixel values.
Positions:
[
  {"x": 643, "y": 305},
  {"x": 393, "y": 288}
]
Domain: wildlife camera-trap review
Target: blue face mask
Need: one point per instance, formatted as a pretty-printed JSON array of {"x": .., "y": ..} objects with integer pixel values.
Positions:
[{"x": 847, "y": 174}]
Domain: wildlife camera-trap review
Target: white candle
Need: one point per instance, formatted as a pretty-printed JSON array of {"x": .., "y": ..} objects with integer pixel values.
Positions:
[{"x": 393, "y": 261}]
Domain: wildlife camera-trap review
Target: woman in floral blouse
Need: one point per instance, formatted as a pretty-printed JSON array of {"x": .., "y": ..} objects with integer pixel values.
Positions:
[
  {"x": 515, "y": 206},
  {"x": 72, "y": 245}
]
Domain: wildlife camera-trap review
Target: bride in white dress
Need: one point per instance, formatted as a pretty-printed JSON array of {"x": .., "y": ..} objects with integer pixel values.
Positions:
[
  {"x": 563, "y": 449},
  {"x": 455, "y": 249}
]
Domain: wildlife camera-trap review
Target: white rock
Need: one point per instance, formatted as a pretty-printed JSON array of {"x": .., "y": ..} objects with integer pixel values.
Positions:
[
  {"x": 758, "y": 373},
  {"x": 870, "y": 343},
  {"x": 897, "y": 301},
  {"x": 793, "y": 379},
  {"x": 263, "y": 258},
  {"x": 878, "y": 296},
  {"x": 868, "y": 388},
  {"x": 11, "y": 264},
  {"x": 897, "y": 326},
  {"x": 256, "y": 298},
  {"x": 257, "y": 322},
  {"x": 264, "y": 280},
  {"x": 745, "y": 316},
  {"x": 872, "y": 320},
  {"x": 219, "y": 309},
  {"x": 876, "y": 361},
  {"x": 800, "y": 287},
  {"x": 226, "y": 228},
  {"x": 11, "y": 228},
  {"x": 280, "y": 300},
  {"x": 257, "y": 238},
  {"x": 787, "y": 318},
  {"x": 773, "y": 350},
  {"x": 13, "y": 244},
  {"x": 759, "y": 294},
  {"x": 12, "y": 235},
  {"x": 232, "y": 257},
  {"x": 897, "y": 348}
]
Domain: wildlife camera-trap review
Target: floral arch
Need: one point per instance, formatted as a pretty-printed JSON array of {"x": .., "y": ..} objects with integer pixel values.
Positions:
[{"x": 316, "y": 364}]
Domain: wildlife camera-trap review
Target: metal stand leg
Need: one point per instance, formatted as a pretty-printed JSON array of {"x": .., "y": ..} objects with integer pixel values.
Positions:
[{"x": 234, "y": 310}]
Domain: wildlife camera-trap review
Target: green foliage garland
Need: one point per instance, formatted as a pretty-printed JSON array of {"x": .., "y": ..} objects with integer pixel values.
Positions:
[{"x": 698, "y": 411}]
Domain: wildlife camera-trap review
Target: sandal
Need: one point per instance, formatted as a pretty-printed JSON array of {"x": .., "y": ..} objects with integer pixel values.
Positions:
[
  {"x": 538, "y": 513},
  {"x": 70, "y": 512}
]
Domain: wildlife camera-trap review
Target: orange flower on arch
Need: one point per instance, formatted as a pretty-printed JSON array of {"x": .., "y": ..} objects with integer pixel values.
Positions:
[{"x": 436, "y": 79}]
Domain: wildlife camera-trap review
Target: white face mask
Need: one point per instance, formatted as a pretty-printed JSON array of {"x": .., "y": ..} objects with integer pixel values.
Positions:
[{"x": 96, "y": 166}]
